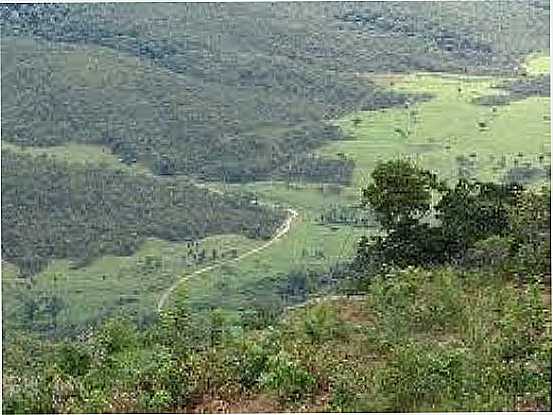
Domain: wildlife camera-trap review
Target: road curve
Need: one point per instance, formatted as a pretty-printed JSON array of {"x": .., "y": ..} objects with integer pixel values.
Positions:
[{"x": 281, "y": 231}]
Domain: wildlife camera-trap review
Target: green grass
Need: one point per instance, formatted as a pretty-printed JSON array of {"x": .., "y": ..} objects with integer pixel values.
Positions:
[
  {"x": 447, "y": 127},
  {"x": 79, "y": 153},
  {"x": 242, "y": 284},
  {"x": 113, "y": 284},
  {"x": 237, "y": 285},
  {"x": 538, "y": 64}
]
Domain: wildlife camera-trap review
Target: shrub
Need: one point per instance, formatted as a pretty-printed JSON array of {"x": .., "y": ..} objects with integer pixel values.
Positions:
[
  {"x": 492, "y": 253},
  {"x": 416, "y": 375},
  {"x": 321, "y": 323},
  {"x": 287, "y": 378},
  {"x": 251, "y": 362},
  {"x": 73, "y": 359}
]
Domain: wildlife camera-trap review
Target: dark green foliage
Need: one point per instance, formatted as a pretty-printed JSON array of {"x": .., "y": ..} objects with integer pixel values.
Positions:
[
  {"x": 493, "y": 253},
  {"x": 518, "y": 90},
  {"x": 41, "y": 312},
  {"x": 345, "y": 215},
  {"x": 447, "y": 36},
  {"x": 470, "y": 212},
  {"x": 525, "y": 175},
  {"x": 401, "y": 197},
  {"x": 400, "y": 194},
  {"x": 474, "y": 211},
  {"x": 74, "y": 359},
  {"x": 530, "y": 225},
  {"x": 52, "y": 209}
]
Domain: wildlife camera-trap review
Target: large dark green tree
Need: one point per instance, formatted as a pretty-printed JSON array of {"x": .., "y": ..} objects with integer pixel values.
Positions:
[
  {"x": 401, "y": 197},
  {"x": 473, "y": 211},
  {"x": 420, "y": 232},
  {"x": 401, "y": 193}
]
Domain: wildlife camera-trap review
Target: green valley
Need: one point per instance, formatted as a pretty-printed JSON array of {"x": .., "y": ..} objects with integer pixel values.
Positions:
[{"x": 306, "y": 207}]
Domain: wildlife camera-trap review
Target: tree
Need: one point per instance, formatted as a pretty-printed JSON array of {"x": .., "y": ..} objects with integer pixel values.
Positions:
[
  {"x": 401, "y": 193},
  {"x": 473, "y": 211}
]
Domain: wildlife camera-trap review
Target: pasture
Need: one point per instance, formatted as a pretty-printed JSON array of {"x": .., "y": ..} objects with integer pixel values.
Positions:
[
  {"x": 449, "y": 132},
  {"x": 111, "y": 284}
]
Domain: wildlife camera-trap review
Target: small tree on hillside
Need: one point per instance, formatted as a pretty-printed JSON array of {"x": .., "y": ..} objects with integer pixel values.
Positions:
[
  {"x": 400, "y": 196},
  {"x": 401, "y": 193}
]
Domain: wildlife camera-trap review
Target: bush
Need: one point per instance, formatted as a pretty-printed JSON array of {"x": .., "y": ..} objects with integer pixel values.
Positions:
[
  {"x": 416, "y": 301},
  {"x": 253, "y": 360},
  {"x": 74, "y": 359},
  {"x": 417, "y": 376},
  {"x": 493, "y": 253},
  {"x": 287, "y": 378},
  {"x": 321, "y": 323}
]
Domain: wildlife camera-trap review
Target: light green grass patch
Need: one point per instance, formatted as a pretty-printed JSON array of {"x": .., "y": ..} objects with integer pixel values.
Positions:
[
  {"x": 112, "y": 284},
  {"x": 79, "y": 153},
  {"x": 437, "y": 132},
  {"x": 308, "y": 246},
  {"x": 538, "y": 64}
]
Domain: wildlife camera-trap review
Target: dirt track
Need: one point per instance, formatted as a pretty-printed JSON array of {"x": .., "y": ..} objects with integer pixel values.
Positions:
[{"x": 281, "y": 231}]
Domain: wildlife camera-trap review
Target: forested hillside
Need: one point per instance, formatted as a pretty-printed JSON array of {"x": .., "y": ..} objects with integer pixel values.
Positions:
[
  {"x": 53, "y": 209},
  {"x": 234, "y": 92}
]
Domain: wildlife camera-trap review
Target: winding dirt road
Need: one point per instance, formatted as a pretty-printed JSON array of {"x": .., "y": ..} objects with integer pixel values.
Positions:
[{"x": 281, "y": 231}]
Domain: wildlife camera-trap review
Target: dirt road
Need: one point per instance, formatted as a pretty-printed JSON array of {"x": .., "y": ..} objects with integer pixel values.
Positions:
[{"x": 281, "y": 231}]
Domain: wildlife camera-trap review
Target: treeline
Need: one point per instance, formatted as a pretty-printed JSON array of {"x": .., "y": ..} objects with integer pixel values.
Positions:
[
  {"x": 472, "y": 223},
  {"x": 52, "y": 209},
  {"x": 522, "y": 88},
  {"x": 447, "y": 37},
  {"x": 345, "y": 215},
  {"x": 313, "y": 168}
]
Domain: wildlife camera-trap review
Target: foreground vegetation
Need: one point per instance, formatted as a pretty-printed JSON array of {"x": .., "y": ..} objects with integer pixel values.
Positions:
[{"x": 439, "y": 340}]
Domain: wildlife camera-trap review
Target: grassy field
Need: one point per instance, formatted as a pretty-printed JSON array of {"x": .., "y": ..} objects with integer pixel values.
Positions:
[
  {"x": 252, "y": 281},
  {"x": 538, "y": 64},
  {"x": 437, "y": 133},
  {"x": 112, "y": 284},
  {"x": 79, "y": 153}
]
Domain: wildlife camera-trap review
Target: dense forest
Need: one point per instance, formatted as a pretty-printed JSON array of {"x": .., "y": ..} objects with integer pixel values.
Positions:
[{"x": 53, "y": 209}]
